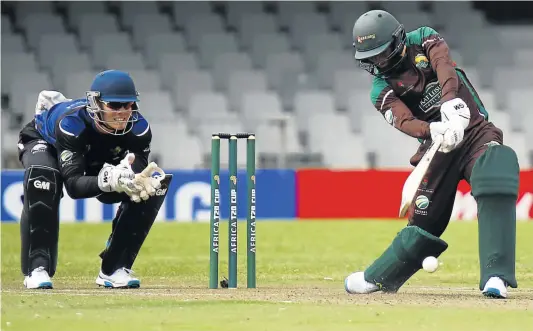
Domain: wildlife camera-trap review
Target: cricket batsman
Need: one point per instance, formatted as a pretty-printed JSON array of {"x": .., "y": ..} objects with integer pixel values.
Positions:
[
  {"x": 96, "y": 146},
  {"x": 419, "y": 90}
]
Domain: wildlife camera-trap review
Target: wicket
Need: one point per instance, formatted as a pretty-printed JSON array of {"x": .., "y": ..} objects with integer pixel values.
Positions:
[{"x": 215, "y": 209}]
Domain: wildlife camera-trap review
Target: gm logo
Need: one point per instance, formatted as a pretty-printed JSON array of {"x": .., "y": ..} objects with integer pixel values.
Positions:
[
  {"x": 161, "y": 191},
  {"x": 41, "y": 185}
]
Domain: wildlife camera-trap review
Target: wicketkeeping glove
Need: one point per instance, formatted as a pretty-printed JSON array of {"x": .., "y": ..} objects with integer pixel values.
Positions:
[
  {"x": 147, "y": 184},
  {"x": 118, "y": 178}
]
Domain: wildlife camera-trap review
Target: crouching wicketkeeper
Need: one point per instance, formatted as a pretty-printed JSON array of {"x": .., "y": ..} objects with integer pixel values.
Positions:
[{"x": 97, "y": 146}]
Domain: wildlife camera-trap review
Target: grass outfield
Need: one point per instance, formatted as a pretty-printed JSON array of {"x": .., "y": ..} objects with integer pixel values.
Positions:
[{"x": 301, "y": 267}]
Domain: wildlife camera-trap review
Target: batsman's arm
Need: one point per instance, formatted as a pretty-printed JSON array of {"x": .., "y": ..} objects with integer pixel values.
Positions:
[
  {"x": 395, "y": 112},
  {"x": 70, "y": 145},
  {"x": 438, "y": 53}
]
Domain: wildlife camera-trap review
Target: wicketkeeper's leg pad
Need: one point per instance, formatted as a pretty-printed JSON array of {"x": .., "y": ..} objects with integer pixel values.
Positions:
[
  {"x": 494, "y": 181},
  {"x": 403, "y": 258},
  {"x": 130, "y": 229}
]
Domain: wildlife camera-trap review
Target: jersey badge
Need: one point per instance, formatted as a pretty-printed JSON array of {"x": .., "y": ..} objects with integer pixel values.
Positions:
[{"x": 421, "y": 61}]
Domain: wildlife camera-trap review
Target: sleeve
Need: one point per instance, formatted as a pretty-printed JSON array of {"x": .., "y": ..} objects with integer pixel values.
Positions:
[
  {"x": 438, "y": 53},
  {"x": 140, "y": 146},
  {"x": 395, "y": 112},
  {"x": 70, "y": 144}
]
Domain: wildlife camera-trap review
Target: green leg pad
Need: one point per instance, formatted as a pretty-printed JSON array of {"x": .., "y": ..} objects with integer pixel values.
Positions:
[
  {"x": 403, "y": 258},
  {"x": 494, "y": 180}
]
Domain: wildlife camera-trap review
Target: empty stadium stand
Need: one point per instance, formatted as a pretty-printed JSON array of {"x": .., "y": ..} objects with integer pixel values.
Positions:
[{"x": 284, "y": 70}]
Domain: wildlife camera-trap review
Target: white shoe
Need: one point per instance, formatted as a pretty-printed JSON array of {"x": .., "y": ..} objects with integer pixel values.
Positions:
[
  {"x": 121, "y": 278},
  {"x": 496, "y": 288},
  {"x": 356, "y": 284},
  {"x": 38, "y": 278}
]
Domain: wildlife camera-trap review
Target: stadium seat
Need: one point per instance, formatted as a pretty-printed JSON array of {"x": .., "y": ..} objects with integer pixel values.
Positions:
[
  {"x": 213, "y": 44},
  {"x": 171, "y": 64},
  {"x": 315, "y": 44},
  {"x": 49, "y": 44},
  {"x": 307, "y": 103},
  {"x": 198, "y": 25},
  {"x": 287, "y": 10},
  {"x": 107, "y": 24},
  {"x": 23, "y": 9},
  {"x": 236, "y": 11},
  {"x": 67, "y": 63},
  {"x": 254, "y": 24},
  {"x": 7, "y": 26},
  {"x": 77, "y": 9},
  {"x": 241, "y": 82},
  {"x": 38, "y": 25},
  {"x": 156, "y": 105},
  {"x": 78, "y": 83},
  {"x": 279, "y": 63},
  {"x": 331, "y": 61},
  {"x": 27, "y": 83},
  {"x": 183, "y": 10},
  {"x": 146, "y": 80},
  {"x": 265, "y": 44},
  {"x": 12, "y": 43},
  {"x": 103, "y": 46},
  {"x": 260, "y": 107},
  {"x": 163, "y": 43},
  {"x": 126, "y": 62},
  {"x": 275, "y": 139},
  {"x": 153, "y": 24},
  {"x": 190, "y": 82},
  {"x": 227, "y": 63},
  {"x": 129, "y": 11},
  {"x": 14, "y": 64},
  {"x": 305, "y": 24},
  {"x": 209, "y": 106},
  {"x": 348, "y": 82}
]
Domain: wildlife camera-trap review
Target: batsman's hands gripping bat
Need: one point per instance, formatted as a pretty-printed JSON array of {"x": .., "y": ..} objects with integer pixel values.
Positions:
[{"x": 451, "y": 133}]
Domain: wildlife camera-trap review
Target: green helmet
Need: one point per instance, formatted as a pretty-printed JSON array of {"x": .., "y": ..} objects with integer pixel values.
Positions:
[{"x": 379, "y": 40}]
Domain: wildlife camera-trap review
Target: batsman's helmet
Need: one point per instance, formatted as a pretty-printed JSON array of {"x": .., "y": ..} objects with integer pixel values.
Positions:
[
  {"x": 115, "y": 89},
  {"x": 379, "y": 40}
]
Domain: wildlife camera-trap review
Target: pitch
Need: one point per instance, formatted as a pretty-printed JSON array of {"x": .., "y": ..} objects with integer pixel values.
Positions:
[{"x": 301, "y": 267}]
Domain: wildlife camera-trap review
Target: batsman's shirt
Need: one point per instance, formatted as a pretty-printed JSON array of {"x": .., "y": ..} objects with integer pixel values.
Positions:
[{"x": 411, "y": 99}]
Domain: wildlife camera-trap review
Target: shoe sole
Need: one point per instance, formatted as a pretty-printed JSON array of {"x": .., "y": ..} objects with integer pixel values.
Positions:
[
  {"x": 108, "y": 284},
  {"x": 42, "y": 286},
  {"x": 493, "y": 293}
]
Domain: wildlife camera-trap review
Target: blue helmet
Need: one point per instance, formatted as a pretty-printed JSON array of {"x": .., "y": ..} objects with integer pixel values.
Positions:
[{"x": 116, "y": 90}]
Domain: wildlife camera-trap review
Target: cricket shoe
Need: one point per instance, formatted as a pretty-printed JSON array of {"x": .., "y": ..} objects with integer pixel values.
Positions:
[
  {"x": 495, "y": 288},
  {"x": 38, "y": 279},
  {"x": 356, "y": 284},
  {"x": 121, "y": 278}
]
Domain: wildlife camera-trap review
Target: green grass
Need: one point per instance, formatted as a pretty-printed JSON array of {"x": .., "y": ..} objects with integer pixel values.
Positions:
[{"x": 301, "y": 267}]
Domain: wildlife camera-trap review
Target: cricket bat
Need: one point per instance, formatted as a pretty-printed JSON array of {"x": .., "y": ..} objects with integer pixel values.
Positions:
[{"x": 413, "y": 181}]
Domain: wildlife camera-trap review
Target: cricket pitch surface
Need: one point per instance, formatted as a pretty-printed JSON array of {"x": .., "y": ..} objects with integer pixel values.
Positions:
[{"x": 301, "y": 268}]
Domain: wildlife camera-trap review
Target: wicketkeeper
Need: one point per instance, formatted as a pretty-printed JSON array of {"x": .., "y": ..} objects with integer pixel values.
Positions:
[
  {"x": 97, "y": 146},
  {"x": 420, "y": 91}
]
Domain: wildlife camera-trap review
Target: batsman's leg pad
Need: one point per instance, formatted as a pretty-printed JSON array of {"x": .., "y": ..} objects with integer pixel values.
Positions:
[
  {"x": 39, "y": 224},
  {"x": 403, "y": 258},
  {"x": 131, "y": 227},
  {"x": 494, "y": 181}
]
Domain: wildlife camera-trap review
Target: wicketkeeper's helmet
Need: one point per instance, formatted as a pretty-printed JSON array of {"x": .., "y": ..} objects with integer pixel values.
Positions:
[{"x": 115, "y": 89}]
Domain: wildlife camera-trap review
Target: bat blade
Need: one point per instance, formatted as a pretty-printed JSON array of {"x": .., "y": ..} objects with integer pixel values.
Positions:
[{"x": 413, "y": 181}]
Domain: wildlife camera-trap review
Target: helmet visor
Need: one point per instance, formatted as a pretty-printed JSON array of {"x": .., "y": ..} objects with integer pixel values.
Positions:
[{"x": 363, "y": 55}]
